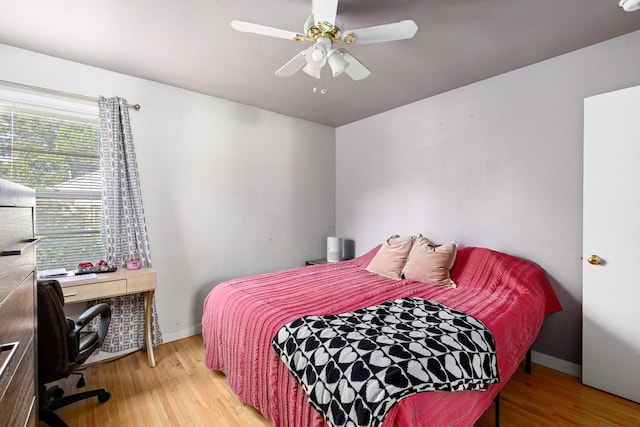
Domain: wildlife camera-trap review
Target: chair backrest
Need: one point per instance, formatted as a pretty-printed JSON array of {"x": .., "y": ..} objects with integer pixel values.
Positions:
[{"x": 53, "y": 333}]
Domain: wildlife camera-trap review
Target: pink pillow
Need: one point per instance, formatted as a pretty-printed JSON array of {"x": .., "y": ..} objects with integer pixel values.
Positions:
[
  {"x": 391, "y": 257},
  {"x": 423, "y": 242},
  {"x": 427, "y": 264}
]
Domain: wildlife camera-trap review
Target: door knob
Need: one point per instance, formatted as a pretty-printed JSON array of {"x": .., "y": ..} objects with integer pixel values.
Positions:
[{"x": 594, "y": 260}]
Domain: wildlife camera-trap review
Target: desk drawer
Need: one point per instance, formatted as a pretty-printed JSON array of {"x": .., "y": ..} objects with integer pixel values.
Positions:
[
  {"x": 143, "y": 281},
  {"x": 93, "y": 291}
]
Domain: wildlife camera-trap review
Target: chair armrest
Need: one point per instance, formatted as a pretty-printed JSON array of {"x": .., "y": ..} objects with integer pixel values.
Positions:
[
  {"x": 80, "y": 349},
  {"x": 90, "y": 313}
]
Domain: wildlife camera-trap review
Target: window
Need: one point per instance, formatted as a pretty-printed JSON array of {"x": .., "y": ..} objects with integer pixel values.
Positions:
[{"x": 52, "y": 145}]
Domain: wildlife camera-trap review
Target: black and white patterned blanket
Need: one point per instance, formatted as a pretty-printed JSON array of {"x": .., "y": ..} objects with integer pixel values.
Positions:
[{"x": 356, "y": 366}]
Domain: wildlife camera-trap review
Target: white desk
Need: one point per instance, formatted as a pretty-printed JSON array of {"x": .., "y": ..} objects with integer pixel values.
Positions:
[{"x": 120, "y": 282}]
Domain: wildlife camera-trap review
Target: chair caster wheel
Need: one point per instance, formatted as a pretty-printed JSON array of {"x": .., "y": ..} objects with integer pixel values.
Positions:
[
  {"x": 57, "y": 393},
  {"x": 103, "y": 397}
]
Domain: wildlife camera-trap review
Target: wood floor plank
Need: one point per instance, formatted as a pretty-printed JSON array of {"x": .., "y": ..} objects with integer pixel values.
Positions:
[{"x": 181, "y": 391}]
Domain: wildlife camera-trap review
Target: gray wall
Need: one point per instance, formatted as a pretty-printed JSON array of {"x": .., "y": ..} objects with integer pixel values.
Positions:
[
  {"x": 231, "y": 190},
  {"x": 228, "y": 190},
  {"x": 496, "y": 164}
]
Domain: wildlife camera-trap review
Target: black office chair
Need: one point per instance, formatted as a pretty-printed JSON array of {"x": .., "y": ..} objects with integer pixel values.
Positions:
[{"x": 64, "y": 345}]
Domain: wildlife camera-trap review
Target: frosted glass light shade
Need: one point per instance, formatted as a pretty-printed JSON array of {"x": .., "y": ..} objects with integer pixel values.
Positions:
[
  {"x": 313, "y": 72},
  {"x": 316, "y": 56},
  {"x": 337, "y": 63},
  {"x": 630, "y": 5}
]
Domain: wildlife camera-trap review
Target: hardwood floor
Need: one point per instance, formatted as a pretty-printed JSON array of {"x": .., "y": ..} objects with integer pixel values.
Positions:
[{"x": 181, "y": 391}]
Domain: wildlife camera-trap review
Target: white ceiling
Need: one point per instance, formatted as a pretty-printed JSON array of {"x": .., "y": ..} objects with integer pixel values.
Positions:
[{"x": 190, "y": 44}]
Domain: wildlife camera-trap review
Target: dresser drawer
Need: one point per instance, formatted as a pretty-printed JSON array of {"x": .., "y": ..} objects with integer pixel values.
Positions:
[
  {"x": 17, "y": 306},
  {"x": 93, "y": 291},
  {"x": 17, "y": 324},
  {"x": 21, "y": 389},
  {"x": 17, "y": 230}
]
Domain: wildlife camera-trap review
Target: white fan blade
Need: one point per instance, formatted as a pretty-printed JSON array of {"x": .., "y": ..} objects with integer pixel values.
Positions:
[
  {"x": 294, "y": 65},
  {"x": 385, "y": 33},
  {"x": 355, "y": 70},
  {"x": 324, "y": 11},
  {"x": 248, "y": 27}
]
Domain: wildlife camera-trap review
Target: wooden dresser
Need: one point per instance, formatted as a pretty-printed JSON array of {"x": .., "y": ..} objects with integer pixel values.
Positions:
[{"x": 18, "y": 389}]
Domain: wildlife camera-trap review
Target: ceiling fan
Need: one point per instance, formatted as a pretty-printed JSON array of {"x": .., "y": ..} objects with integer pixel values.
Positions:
[{"x": 323, "y": 30}]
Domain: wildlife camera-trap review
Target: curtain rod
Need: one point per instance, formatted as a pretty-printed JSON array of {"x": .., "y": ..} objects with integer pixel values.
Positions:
[{"x": 59, "y": 92}]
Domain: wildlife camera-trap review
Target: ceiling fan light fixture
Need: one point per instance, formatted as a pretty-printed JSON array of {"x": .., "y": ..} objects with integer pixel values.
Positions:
[
  {"x": 313, "y": 72},
  {"x": 337, "y": 62},
  {"x": 323, "y": 29},
  {"x": 316, "y": 56},
  {"x": 630, "y": 5}
]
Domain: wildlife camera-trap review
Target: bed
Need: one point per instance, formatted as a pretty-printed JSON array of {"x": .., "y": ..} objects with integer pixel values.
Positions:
[{"x": 511, "y": 296}]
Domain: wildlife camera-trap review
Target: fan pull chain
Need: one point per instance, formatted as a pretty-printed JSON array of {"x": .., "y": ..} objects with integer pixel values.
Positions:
[
  {"x": 315, "y": 89},
  {"x": 323, "y": 90}
]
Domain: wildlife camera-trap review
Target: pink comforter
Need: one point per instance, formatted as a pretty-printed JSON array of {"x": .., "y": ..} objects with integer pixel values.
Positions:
[{"x": 241, "y": 316}]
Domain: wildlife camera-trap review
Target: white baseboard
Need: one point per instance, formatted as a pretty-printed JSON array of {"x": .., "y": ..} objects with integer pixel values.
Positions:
[
  {"x": 536, "y": 357},
  {"x": 181, "y": 333},
  {"x": 557, "y": 364}
]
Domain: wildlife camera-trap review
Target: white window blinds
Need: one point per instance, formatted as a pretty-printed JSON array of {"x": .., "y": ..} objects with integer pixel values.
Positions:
[{"x": 53, "y": 146}]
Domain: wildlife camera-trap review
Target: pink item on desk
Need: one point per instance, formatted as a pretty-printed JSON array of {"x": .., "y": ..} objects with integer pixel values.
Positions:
[{"x": 133, "y": 264}]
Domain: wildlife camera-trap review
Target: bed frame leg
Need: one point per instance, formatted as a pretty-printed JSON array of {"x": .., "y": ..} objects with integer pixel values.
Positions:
[{"x": 496, "y": 400}]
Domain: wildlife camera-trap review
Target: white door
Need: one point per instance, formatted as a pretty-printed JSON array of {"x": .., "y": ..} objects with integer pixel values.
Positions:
[{"x": 611, "y": 289}]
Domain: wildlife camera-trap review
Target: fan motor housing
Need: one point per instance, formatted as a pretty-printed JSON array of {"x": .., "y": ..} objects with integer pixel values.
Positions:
[{"x": 313, "y": 31}]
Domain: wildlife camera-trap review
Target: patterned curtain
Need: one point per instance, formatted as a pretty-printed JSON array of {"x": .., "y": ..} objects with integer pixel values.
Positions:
[{"x": 123, "y": 228}]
